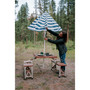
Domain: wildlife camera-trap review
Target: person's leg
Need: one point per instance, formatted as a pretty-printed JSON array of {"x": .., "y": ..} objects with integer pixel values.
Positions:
[
  {"x": 61, "y": 60},
  {"x": 62, "y": 57}
]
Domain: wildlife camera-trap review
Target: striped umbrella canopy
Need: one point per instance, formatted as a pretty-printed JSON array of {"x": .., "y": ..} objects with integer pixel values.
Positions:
[{"x": 43, "y": 21}]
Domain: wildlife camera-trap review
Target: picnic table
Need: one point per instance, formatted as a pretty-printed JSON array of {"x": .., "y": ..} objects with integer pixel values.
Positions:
[{"x": 44, "y": 57}]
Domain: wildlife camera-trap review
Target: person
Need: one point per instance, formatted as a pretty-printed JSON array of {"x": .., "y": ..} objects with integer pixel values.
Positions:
[{"x": 60, "y": 44}]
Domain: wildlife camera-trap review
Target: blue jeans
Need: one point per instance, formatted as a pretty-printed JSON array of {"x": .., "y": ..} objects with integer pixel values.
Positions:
[{"x": 62, "y": 58}]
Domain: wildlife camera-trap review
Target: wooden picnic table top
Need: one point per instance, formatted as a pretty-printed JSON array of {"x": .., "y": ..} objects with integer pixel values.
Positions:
[{"x": 42, "y": 56}]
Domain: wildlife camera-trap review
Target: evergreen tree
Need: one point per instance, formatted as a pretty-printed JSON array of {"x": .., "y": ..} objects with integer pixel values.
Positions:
[
  {"x": 58, "y": 16},
  {"x": 71, "y": 18},
  {"x": 53, "y": 5},
  {"x": 67, "y": 16},
  {"x": 40, "y": 7},
  {"x": 16, "y": 3},
  {"x": 45, "y": 5},
  {"x": 62, "y": 14},
  {"x": 50, "y": 10},
  {"x": 22, "y": 23}
]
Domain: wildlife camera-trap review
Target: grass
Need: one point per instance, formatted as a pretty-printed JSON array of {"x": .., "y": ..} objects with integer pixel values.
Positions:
[
  {"x": 70, "y": 45},
  {"x": 47, "y": 88},
  {"x": 19, "y": 87},
  {"x": 51, "y": 48},
  {"x": 71, "y": 54},
  {"x": 18, "y": 75},
  {"x": 25, "y": 52}
]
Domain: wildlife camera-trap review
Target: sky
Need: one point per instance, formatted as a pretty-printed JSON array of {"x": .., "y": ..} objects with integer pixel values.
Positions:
[{"x": 30, "y": 5}]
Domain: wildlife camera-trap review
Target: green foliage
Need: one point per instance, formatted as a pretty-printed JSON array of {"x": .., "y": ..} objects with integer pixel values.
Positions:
[
  {"x": 51, "y": 48},
  {"x": 65, "y": 16},
  {"x": 19, "y": 87},
  {"x": 40, "y": 7},
  {"x": 18, "y": 75},
  {"x": 45, "y": 4},
  {"x": 50, "y": 10},
  {"x": 21, "y": 31},
  {"x": 58, "y": 16},
  {"x": 40, "y": 36},
  {"x": 38, "y": 45},
  {"x": 27, "y": 46},
  {"x": 53, "y": 5},
  {"x": 70, "y": 45}
]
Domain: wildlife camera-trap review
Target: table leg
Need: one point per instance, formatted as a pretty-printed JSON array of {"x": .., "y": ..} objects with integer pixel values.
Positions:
[
  {"x": 43, "y": 63},
  {"x": 32, "y": 72},
  {"x": 59, "y": 71},
  {"x": 51, "y": 64},
  {"x": 24, "y": 72}
]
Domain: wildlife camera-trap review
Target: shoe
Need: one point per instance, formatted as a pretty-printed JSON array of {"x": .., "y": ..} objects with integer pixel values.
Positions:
[
  {"x": 57, "y": 72},
  {"x": 62, "y": 73}
]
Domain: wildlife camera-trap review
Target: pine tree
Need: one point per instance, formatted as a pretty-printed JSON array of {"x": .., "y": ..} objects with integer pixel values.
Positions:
[
  {"x": 67, "y": 16},
  {"x": 58, "y": 16},
  {"x": 22, "y": 23},
  {"x": 40, "y": 7},
  {"x": 50, "y": 10},
  {"x": 53, "y": 5},
  {"x": 16, "y": 3},
  {"x": 45, "y": 5},
  {"x": 71, "y": 18},
  {"x": 62, "y": 18}
]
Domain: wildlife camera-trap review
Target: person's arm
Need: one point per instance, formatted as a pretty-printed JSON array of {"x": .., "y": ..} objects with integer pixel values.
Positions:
[
  {"x": 56, "y": 41},
  {"x": 54, "y": 33}
]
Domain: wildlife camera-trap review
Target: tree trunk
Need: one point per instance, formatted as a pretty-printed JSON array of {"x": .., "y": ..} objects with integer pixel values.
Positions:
[
  {"x": 67, "y": 32},
  {"x": 26, "y": 40},
  {"x": 68, "y": 21}
]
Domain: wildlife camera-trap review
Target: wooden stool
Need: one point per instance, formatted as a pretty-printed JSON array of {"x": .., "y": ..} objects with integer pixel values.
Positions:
[
  {"x": 55, "y": 63},
  {"x": 60, "y": 64},
  {"x": 28, "y": 69}
]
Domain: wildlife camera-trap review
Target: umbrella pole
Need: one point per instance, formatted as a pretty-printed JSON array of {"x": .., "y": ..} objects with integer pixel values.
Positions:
[
  {"x": 44, "y": 41},
  {"x": 44, "y": 48}
]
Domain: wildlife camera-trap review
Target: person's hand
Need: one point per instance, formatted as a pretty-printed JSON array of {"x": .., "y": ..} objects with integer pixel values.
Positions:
[
  {"x": 46, "y": 28},
  {"x": 45, "y": 39}
]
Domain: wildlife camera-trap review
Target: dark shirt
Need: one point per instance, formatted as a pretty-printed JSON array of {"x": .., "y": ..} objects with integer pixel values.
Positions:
[{"x": 60, "y": 42}]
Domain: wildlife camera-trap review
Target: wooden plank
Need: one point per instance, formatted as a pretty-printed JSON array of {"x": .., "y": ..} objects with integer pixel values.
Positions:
[
  {"x": 28, "y": 65},
  {"x": 61, "y": 64},
  {"x": 45, "y": 56}
]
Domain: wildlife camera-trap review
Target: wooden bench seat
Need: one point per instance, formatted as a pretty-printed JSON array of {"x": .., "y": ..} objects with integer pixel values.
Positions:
[
  {"x": 55, "y": 63},
  {"x": 61, "y": 64},
  {"x": 28, "y": 65}
]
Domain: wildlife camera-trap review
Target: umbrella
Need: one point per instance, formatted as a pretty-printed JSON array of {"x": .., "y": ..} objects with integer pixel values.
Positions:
[{"x": 43, "y": 21}]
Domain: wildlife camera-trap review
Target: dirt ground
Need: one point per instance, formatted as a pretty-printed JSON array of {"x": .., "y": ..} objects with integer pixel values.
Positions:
[{"x": 45, "y": 80}]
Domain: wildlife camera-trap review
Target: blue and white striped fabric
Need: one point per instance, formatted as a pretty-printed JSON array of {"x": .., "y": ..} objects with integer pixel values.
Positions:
[{"x": 43, "y": 21}]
